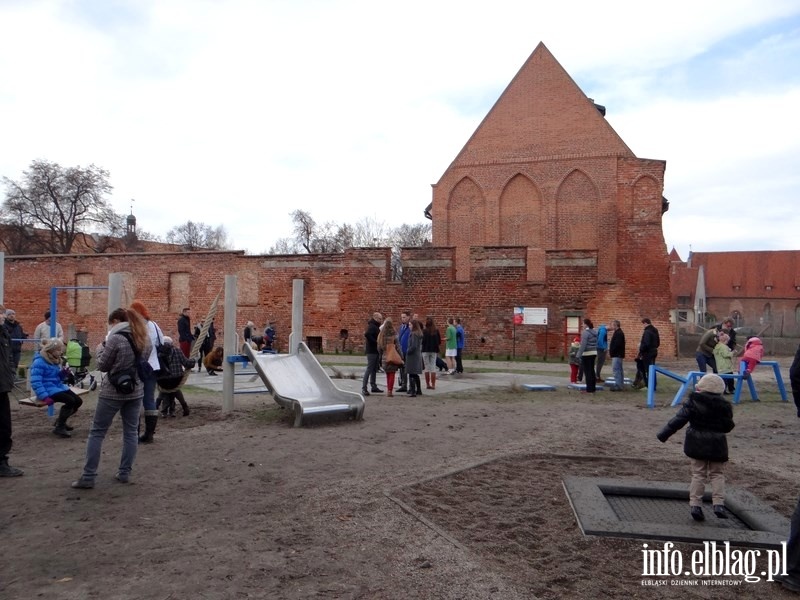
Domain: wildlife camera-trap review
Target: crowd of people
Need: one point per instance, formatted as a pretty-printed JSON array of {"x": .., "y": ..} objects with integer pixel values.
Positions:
[
  {"x": 587, "y": 354},
  {"x": 417, "y": 345},
  {"x": 138, "y": 358},
  {"x": 718, "y": 350}
]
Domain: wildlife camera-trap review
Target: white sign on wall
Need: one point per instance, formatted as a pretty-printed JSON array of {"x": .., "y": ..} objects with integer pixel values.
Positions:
[{"x": 525, "y": 315}]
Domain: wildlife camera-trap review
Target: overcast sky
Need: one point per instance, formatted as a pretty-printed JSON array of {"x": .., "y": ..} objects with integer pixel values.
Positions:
[{"x": 237, "y": 112}]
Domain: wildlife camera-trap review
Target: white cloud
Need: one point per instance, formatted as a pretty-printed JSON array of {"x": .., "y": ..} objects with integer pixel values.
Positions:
[{"x": 237, "y": 112}]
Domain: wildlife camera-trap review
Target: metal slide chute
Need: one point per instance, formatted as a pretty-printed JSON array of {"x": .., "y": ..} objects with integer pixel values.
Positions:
[{"x": 300, "y": 384}]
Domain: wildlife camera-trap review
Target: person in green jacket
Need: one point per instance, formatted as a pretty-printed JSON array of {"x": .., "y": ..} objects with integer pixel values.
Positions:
[
  {"x": 450, "y": 346},
  {"x": 724, "y": 358}
]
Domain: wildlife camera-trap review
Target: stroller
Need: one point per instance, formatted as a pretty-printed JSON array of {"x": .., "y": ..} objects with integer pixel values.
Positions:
[{"x": 76, "y": 370}]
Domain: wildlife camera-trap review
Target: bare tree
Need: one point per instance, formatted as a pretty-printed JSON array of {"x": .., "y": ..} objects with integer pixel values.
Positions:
[
  {"x": 305, "y": 228},
  {"x": 411, "y": 236},
  {"x": 199, "y": 236},
  {"x": 62, "y": 201},
  {"x": 407, "y": 236},
  {"x": 369, "y": 233},
  {"x": 16, "y": 237},
  {"x": 284, "y": 246}
]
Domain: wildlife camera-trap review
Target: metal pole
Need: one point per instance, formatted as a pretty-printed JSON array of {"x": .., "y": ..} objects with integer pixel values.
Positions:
[
  {"x": 53, "y": 315},
  {"x": 229, "y": 342},
  {"x": 513, "y": 339},
  {"x": 114, "y": 291},
  {"x": 2, "y": 276},
  {"x": 297, "y": 315},
  {"x": 545, "y": 342}
]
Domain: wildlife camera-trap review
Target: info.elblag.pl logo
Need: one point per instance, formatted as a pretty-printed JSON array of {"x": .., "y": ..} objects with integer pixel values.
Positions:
[{"x": 712, "y": 560}]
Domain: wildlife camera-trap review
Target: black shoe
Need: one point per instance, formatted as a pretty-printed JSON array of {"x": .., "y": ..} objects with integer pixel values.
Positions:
[
  {"x": 212, "y": 373},
  {"x": 697, "y": 513},
  {"x": 412, "y": 395},
  {"x": 376, "y": 390},
  {"x": 719, "y": 511},
  {"x": 400, "y": 390},
  {"x": 7, "y": 470},
  {"x": 61, "y": 432},
  {"x": 68, "y": 427},
  {"x": 364, "y": 393},
  {"x": 186, "y": 413},
  {"x": 790, "y": 583}
]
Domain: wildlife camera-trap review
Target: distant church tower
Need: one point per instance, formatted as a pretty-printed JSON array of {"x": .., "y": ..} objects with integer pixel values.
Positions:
[{"x": 130, "y": 228}]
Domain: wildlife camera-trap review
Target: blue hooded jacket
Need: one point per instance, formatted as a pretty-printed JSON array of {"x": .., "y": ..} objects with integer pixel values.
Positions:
[{"x": 602, "y": 338}]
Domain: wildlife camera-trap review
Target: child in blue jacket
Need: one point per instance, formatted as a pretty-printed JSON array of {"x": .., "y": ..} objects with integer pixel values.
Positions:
[{"x": 48, "y": 386}]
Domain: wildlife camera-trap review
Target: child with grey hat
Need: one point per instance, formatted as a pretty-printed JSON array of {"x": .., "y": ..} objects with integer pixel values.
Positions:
[{"x": 710, "y": 417}]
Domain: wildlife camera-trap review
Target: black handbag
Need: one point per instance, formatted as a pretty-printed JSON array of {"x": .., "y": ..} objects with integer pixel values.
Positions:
[{"x": 124, "y": 380}]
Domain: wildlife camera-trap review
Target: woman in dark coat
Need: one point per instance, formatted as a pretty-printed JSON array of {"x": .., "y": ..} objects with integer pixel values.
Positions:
[
  {"x": 587, "y": 354},
  {"x": 414, "y": 359},
  {"x": 431, "y": 340},
  {"x": 710, "y": 417}
]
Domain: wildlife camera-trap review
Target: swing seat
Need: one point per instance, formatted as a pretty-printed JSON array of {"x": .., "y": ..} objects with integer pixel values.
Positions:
[{"x": 36, "y": 403}]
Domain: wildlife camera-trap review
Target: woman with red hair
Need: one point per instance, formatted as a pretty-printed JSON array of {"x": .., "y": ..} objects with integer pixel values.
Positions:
[{"x": 155, "y": 336}]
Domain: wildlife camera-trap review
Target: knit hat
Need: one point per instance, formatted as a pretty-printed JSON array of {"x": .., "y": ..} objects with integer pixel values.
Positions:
[
  {"x": 711, "y": 383},
  {"x": 167, "y": 340},
  {"x": 52, "y": 350},
  {"x": 10, "y": 312}
]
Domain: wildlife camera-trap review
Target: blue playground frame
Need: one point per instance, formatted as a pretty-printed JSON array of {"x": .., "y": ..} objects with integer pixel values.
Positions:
[{"x": 692, "y": 376}]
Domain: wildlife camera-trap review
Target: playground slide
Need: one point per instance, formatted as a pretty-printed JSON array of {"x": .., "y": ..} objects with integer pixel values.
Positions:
[{"x": 300, "y": 384}]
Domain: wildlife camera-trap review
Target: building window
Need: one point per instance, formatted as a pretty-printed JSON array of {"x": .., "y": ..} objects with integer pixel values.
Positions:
[
  {"x": 683, "y": 300},
  {"x": 314, "y": 343},
  {"x": 767, "y": 313}
]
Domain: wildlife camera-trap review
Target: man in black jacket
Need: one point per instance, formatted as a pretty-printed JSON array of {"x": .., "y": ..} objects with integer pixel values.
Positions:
[
  {"x": 14, "y": 329},
  {"x": 616, "y": 350},
  {"x": 6, "y": 384},
  {"x": 648, "y": 348},
  {"x": 371, "y": 350}
]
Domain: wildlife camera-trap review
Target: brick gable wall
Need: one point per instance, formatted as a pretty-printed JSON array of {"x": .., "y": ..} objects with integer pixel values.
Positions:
[{"x": 545, "y": 207}]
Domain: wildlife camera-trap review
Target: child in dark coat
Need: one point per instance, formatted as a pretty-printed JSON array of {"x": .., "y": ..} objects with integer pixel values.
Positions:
[{"x": 710, "y": 417}]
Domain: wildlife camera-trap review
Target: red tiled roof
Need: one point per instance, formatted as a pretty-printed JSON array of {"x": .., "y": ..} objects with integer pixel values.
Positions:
[
  {"x": 682, "y": 281},
  {"x": 749, "y": 274}
]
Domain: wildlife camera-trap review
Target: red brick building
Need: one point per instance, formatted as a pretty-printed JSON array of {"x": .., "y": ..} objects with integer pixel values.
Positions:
[
  {"x": 544, "y": 207},
  {"x": 759, "y": 289}
]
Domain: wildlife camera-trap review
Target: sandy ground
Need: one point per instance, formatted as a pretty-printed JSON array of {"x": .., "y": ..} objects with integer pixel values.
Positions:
[{"x": 456, "y": 494}]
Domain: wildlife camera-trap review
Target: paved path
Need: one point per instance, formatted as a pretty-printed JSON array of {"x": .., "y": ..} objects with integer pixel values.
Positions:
[{"x": 501, "y": 374}]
